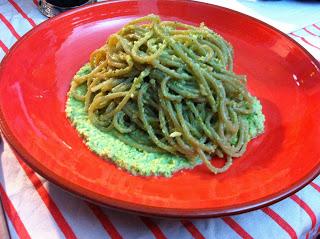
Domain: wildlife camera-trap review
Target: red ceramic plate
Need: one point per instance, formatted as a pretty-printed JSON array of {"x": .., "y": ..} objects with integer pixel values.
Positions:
[{"x": 35, "y": 78}]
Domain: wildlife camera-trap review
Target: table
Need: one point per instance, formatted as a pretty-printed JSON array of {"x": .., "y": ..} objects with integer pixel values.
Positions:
[{"x": 36, "y": 208}]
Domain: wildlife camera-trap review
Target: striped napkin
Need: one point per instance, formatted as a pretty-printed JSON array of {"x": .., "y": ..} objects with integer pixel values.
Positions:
[{"x": 36, "y": 208}]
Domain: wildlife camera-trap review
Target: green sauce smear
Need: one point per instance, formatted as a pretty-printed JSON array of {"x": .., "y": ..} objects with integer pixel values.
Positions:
[{"x": 133, "y": 160}]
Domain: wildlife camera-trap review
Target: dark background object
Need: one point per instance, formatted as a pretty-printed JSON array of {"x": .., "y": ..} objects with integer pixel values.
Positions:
[
  {"x": 51, "y": 8},
  {"x": 70, "y": 3}
]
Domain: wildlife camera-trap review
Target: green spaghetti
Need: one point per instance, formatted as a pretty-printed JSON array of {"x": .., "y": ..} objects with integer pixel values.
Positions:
[{"x": 163, "y": 86}]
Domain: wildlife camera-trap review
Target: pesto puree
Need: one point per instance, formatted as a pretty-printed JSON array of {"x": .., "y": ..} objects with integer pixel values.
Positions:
[{"x": 131, "y": 159}]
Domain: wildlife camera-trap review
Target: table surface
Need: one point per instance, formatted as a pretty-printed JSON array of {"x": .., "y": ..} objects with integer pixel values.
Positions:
[{"x": 36, "y": 208}]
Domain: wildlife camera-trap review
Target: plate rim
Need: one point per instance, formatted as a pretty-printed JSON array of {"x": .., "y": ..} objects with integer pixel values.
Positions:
[{"x": 139, "y": 208}]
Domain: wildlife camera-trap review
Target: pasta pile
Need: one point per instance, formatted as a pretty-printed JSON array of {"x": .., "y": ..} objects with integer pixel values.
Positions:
[{"x": 164, "y": 86}]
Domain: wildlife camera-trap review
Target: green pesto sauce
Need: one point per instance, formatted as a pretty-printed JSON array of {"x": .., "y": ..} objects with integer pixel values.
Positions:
[{"x": 134, "y": 160}]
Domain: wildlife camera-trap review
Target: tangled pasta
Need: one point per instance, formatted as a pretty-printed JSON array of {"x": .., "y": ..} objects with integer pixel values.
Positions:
[{"x": 164, "y": 86}]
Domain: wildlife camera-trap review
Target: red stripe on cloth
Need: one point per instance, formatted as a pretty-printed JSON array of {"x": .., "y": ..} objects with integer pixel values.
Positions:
[
  {"x": 8, "y": 24},
  {"x": 35, "y": 2},
  {"x": 281, "y": 222},
  {"x": 48, "y": 201},
  {"x": 16, "y": 6},
  {"x": 306, "y": 208},
  {"x": 153, "y": 227},
  {"x": 4, "y": 47},
  {"x": 192, "y": 229},
  {"x": 310, "y": 32},
  {"x": 305, "y": 41},
  {"x": 236, "y": 227},
  {"x": 316, "y": 26},
  {"x": 13, "y": 215},
  {"x": 104, "y": 220},
  {"x": 307, "y": 235},
  {"x": 315, "y": 186}
]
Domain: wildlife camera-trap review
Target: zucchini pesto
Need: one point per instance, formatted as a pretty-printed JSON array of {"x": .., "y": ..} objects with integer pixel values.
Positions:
[{"x": 161, "y": 96}]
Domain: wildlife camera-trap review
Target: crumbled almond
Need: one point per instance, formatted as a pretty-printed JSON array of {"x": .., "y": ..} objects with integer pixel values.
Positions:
[{"x": 175, "y": 134}]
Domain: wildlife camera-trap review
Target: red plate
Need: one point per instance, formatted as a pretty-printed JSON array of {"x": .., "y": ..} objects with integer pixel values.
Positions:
[{"x": 35, "y": 77}]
